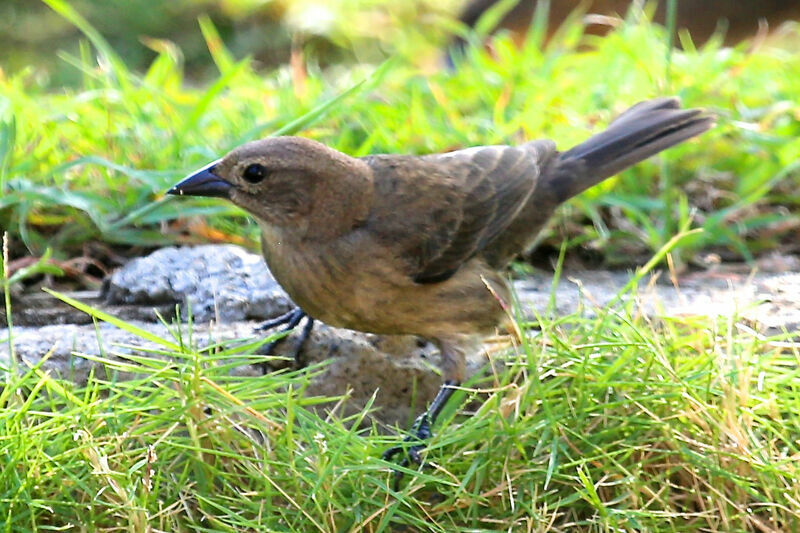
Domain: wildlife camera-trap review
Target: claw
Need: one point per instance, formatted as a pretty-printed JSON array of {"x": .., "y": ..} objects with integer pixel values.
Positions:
[
  {"x": 421, "y": 432},
  {"x": 292, "y": 318},
  {"x": 289, "y": 321},
  {"x": 412, "y": 453}
]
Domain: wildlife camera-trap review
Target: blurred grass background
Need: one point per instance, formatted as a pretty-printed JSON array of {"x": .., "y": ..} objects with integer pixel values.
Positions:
[
  {"x": 330, "y": 32},
  {"x": 103, "y": 105}
]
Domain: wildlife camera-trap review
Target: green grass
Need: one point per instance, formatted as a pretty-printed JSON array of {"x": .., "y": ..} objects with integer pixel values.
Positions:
[
  {"x": 612, "y": 423},
  {"x": 91, "y": 163}
]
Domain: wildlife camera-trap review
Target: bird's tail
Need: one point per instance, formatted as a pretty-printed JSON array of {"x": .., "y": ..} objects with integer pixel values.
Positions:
[{"x": 640, "y": 132}]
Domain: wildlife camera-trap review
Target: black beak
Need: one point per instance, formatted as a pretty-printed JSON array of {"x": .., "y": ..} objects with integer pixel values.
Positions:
[{"x": 203, "y": 183}]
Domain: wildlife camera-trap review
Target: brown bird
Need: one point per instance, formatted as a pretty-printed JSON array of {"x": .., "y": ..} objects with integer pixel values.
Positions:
[{"x": 400, "y": 244}]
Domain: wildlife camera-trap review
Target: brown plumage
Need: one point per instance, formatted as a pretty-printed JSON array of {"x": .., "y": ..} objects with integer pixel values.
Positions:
[{"x": 397, "y": 244}]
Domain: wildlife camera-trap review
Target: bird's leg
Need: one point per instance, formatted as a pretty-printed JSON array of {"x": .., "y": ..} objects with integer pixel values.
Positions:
[
  {"x": 453, "y": 368},
  {"x": 289, "y": 321},
  {"x": 421, "y": 429}
]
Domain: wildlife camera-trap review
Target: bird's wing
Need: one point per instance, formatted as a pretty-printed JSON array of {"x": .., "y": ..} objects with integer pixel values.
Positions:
[{"x": 450, "y": 206}]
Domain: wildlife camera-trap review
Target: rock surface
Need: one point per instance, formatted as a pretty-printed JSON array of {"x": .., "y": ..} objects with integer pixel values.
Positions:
[
  {"x": 224, "y": 283},
  {"x": 228, "y": 288}
]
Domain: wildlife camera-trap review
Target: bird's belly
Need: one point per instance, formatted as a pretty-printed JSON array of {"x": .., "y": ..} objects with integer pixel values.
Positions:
[
  {"x": 356, "y": 301},
  {"x": 364, "y": 297}
]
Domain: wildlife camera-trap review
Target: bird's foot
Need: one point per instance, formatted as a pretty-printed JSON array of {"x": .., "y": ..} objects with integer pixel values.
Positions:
[
  {"x": 421, "y": 432},
  {"x": 289, "y": 321}
]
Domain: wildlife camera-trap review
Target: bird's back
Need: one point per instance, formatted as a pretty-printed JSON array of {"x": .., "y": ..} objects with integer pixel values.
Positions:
[{"x": 450, "y": 207}]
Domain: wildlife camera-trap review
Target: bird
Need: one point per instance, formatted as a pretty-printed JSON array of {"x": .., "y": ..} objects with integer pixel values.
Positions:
[{"x": 419, "y": 244}]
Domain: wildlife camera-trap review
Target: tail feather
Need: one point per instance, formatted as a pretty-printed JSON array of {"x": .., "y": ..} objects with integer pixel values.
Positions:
[{"x": 640, "y": 132}]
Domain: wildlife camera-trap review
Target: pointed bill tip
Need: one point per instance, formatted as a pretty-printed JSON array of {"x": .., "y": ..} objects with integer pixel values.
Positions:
[{"x": 203, "y": 182}]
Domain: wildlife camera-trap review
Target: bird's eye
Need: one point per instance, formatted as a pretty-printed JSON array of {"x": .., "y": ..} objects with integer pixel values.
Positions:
[{"x": 255, "y": 173}]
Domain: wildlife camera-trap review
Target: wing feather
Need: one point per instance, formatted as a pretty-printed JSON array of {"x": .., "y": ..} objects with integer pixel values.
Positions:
[{"x": 449, "y": 207}]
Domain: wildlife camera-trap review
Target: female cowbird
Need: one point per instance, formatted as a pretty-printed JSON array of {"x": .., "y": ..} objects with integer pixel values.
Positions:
[{"x": 399, "y": 244}]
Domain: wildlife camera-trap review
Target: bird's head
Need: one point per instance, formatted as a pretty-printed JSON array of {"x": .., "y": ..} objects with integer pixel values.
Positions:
[{"x": 287, "y": 182}]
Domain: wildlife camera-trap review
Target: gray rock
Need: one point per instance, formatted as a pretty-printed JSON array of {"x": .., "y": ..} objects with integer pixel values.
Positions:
[
  {"x": 227, "y": 286},
  {"x": 225, "y": 283},
  {"x": 358, "y": 364}
]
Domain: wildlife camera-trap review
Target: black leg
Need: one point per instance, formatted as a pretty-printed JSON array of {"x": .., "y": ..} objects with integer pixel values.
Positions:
[
  {"x": 289, "y": 321},
  {"x": 421, "y": 431},
  {"x": 298, "y": 359}
]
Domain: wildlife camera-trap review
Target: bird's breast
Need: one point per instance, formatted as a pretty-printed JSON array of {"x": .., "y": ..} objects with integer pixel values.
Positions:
[
  {"x": 320, "y": 277},
  {"x": 353, "y": 284}
]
